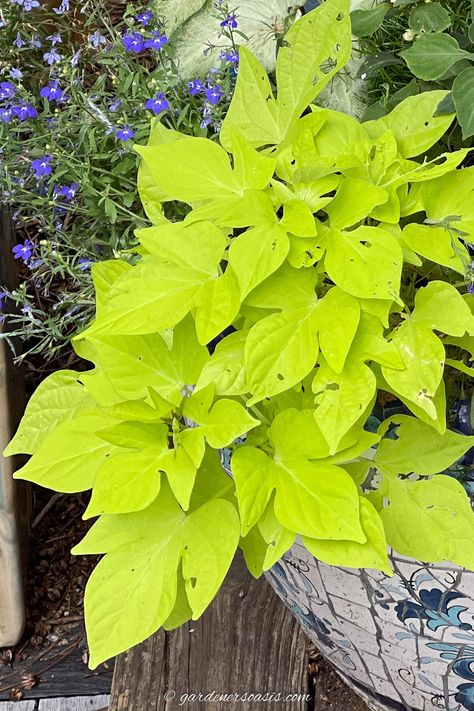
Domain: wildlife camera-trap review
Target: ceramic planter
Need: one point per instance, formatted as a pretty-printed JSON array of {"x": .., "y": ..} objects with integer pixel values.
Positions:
[{"x": 404, "y": 642}]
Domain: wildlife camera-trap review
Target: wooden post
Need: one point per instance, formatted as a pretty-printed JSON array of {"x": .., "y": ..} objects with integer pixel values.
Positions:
[
  {"x": 247, "y": 642},
  {"x": 14, "y": 498}
]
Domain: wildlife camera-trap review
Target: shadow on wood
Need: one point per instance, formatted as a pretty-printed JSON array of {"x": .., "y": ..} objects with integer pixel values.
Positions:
[{"x": 246, "y": 642}]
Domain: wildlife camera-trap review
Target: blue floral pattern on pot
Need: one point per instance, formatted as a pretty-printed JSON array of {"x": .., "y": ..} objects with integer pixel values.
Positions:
[{"x": 404, "y": 642}]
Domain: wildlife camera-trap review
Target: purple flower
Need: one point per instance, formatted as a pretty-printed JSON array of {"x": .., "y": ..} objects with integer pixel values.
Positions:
[
  {"x": 24, "y": 111},
  {"x": 5, "y": 115},
  {"x": 35, "y": 263},
  {"x": 156, "y": 42},
  {"x": 55, "y": 39},
  {"x": 115, "y": 105},
  {"x": 27, "y": 4},
  {"x": 68, "y": 192},
  {"x": 41, "y": 166},
  {"x": 195, "y": 87},
  {"x": 64, "y": 7},
  {"x": 230, "y": 55},
  {"x": 75, "y": 58},
  {"x": 3, "y": 295},
  {"x": 133, "y": 42},
  {"x": 7, "y": 90},
  {"x": 19, "y": 41},
  {"x": 52, "y": 56},
  {"x": 214, "y": 94},
  {"x": 35, "y": 42},
  {"x": 125, "y": 133},
  {"x": 23, "y": 251},
  {"x": 158, "y": 104},
  {"x": 96, "y": 40},
  {"x": 145, "y": 17},
  {"x": 230, "y": 21},
  {"x": 85, "y": 263},
  {"x": 16, "y": 73},
  {"x": 52, "y": 92},
  {"x": 470, "y": 288}
]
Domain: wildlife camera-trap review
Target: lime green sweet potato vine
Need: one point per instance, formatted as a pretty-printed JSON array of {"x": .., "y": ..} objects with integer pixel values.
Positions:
[{"x": 322, "y": 256}]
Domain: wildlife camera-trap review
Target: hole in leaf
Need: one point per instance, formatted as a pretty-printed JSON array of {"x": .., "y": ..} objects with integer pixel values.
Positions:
[
  {"x": 340, "y": 17},
  {"x": 332, "y": 386},
  {"x": 280, "y": 376},
  {"x": 193, "y": 582}
]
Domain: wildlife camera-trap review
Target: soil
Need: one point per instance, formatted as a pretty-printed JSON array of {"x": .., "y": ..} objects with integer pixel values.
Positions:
[{"x": 330, "y": 692}]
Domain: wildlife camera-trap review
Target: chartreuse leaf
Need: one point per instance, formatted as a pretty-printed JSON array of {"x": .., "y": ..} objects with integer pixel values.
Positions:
[
  {"x": 338, "y": 319},
  {"x": 69, "y": 458},
  {"x": 418, "y": 448},
  {"x": 341, "y": 398},
  {"x": 315, "y": 49},
  {"x": 223, "y": 422},
  {"x": 145, "y": 567},
  {"x": 430, "y": 520},
  {"x": 266, "y": 543},
  {"x": 253, "y": 110},
  {"x": 254, "y": 475},
  {"x": 181, "y": 463},
  {"x": 198, "y": 246},
  {"x": 413, "y": 122},
  {"x": 190, "y": 169},
  {"x": 365, "y": 262},
  {"x": 439, "y": 306},
  {"x": 257, "y": 254},
  {"x": 136, "y": 363},
  {"x": 351, "y": 554},
  {"x": 308, "y": 495},
  {"x": 287, "y": 288},
  {"x": 423, "y": 356},
  {"x": 280, "y": 350},
  {"x": 354, "y": 200},
  {"x": 161, "y": 289},
  {"x": 57, "y": 399},
  {"x": 437, "y": 243},
  {"x": 218, "y": 304},
  {"x": 226, "y": 367},
  {"x": 129, "y": 480},
  {"x": 252, "y": 169}
]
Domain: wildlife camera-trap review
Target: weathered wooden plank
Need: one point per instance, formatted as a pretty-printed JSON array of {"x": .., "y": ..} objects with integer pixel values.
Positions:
[
  {"x": 17, "y": 705},
  {"x": 14, "y": 498},
  {"x": 246, "y": 642},
  {"x": 79, "y": 703}
]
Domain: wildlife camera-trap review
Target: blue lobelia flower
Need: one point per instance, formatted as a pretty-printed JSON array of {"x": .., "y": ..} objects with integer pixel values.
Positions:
[
  {"x": 23, "y": 251},
  {"x": 75, "y": 58},
  {"x": 214, "y": 94},
  {"x": 230, "y": 55},
  {"x": 125, "y": 133},
  {"x": 156, "y": 42},
  {"x": 195, "y": 87},
  {"x": 157, "y": 104},
  {"x": 16, "y": 73},
  {"x": 52, "y": 92},
  {"x": 5, "y": 115},
  {"x": 7, "y": 90},
  {"x": 52, "y": 56},
  {"x": 145, "y": 17},
  {"x": 115, "y": 105},
  {"x": 41, "y": 166},
  {"x": 24, "y": 111},
  {"x": 68, "y": 192},
  {"x": 96, "y": 39},
  {"x": 85, "y": 263},
  {"x": 230, "y": 21},
  {"x": 133, "y": 42},
  {"x": 26, "y": 4},
  {"x": 64, "y": 7},
  {"x": 19, "y": 41}
]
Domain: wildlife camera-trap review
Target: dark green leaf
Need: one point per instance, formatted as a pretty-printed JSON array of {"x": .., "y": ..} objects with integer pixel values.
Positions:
[
  {"x": 366, "y": 22},
  {"x": 431, "y": 17},
  {"x": 463, "y": 97},
  {"x": 432, "y": 55}
]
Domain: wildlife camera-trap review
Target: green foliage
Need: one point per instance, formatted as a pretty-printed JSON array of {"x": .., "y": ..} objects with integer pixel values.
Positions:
[
  {"x": 414, "y": 46},
  {"x": 318, "y": 267}
]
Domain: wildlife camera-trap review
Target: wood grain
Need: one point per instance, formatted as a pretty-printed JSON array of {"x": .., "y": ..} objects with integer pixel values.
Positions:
[
  {"x": 80, "y": 703},
  {"x": 17, "y": 706},
  {"x": 247, "y": 641}
]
